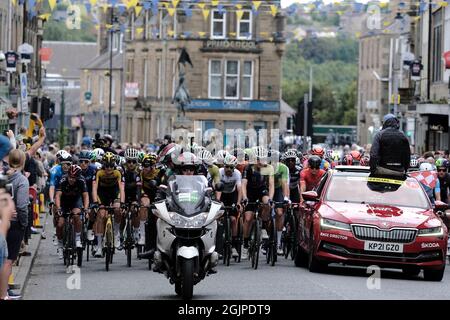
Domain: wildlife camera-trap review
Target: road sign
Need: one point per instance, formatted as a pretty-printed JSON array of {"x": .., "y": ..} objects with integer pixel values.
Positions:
[
  {"x": 25, "y": 51},
  {"x": 87, "y": 96},
  {"x": 132, "y": 90},
  {"x": 393, "y": 98},
  {"x": 23, "y": 93}
]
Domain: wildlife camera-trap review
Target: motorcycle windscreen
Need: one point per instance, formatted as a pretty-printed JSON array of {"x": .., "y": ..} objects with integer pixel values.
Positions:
[{"x": 188, "y": 194}]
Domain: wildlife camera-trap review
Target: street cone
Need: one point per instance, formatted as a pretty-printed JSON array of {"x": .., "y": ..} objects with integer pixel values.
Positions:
[
  {"x": 11, "y": 283},
  {"x": 42, "y": 203}
]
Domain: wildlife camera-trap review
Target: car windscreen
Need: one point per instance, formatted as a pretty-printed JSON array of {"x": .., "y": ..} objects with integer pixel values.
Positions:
[{"x": 365, "y": 189}]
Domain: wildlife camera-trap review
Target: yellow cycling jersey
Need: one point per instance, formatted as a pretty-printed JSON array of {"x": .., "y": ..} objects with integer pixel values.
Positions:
[
  {"x": 147, "y": 177},
  {"x": 106, "y": 180}
]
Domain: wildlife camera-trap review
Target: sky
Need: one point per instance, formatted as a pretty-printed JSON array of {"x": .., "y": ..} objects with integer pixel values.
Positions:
[{"x": 286, "y": 3}]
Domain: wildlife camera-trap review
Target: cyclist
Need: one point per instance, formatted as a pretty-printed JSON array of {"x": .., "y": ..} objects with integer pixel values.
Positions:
[
  {"x": 220, "y": 156},
  {"x": 88, "y": 173},
  {"x": 131, "y": 179},
  {"x": 165, "y": 162},
  {"x": 444, "y": 178},
  {"x": 310, "y": 177},
  {"x": 71, "y": 196},
  {"x": 208, "y": 168},
  {"x": 290, "y": 159},
  {"x": 96, "y": 159},
  {"x": 356, "y": 155},
  {"x": 231, "y": 194},
  {"x": 281, "y": 195},
  {"x": 257, "y": 184},
  {"x": 320, "y": 152},
  {"x": 107, "y": 189}
]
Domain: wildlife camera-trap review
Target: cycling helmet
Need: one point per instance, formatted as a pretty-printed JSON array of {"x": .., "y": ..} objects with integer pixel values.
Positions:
[
  {"x": 230, "y": 160},
  {"x": 425, "y": 166},
  {"x": 356, "y": 155},
  {"x": 166, "y": 154},
  {"x": 441, "y": 162},
  {"x": 290, "y": 154},
  {"x": 60, "y": 153},
  {"x": 220, "y": 156},
  {"x": 188, "y": 159},
  {"x": 364, "y": 161},
  {"x": 108, "y": 138},
  {"x": 274, "y": 155},
  {"x": 314, "y": 162},
  {"x": 205, "y": 156},
  {"x": 131, "y": 154},
  {"x": 149, "y": 160},
  {"x": 140, "y": 156},
  {"x": 413, "y": 163},
  {"x": 335, "y": 156},
  {"x": 318, "y": 151},
  {"x": 109, "y": 158},
  {"x": 85, "y": 155},
  {"x": 98, "y": 154},
  {"x": 348, "y": 160},
  {"x": 120, "y": 160},
  {"x": 260, "y": 152},
  {"x": 66, "y": 157},
  {"x": 74, "y": 171},
  {"x": 329, "y": 153}
]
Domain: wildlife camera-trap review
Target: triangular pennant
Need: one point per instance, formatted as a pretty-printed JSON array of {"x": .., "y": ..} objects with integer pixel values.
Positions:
[
  {"x": 139, "y": 31},
  {"x": 175, "y": 3},
  {"x": 104, "y": 7},
  {"x": 256, "y": 4},
  {"x": 52, "y": 4},
  {"x": 147, "y": 6},
  {"x": 201, "y": 33},
  {"x": 205, "y": 13},
  {"x": 273, "y": 9},
  {"x": 113, "y": 2},
  {"x": 201, "y": 6},
  {"x": 14, "y": 2},
  {"x": 45, "y": 16},
  {"x": 88, "y": 7},
  {"x": 93, "y": 2},
  {"x": 239, "y": 6},
  {"x": 214, "y": 3},
  {"x": 239, "y": 14},
  {"x": 171, "y": 11},
  {"x": 171, "y": 33},
  {"x": 137, "y": 10}
]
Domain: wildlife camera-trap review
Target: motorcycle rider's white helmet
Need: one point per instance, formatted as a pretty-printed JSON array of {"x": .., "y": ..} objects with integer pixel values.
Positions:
[{"x": 425, "y": 166}]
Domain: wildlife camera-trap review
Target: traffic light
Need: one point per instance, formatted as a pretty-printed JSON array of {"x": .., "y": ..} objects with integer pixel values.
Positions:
[
  {"x": 47, "y": 108},
  {"x": 34, "y": 105},
  {"x": 299, "y": 120}
]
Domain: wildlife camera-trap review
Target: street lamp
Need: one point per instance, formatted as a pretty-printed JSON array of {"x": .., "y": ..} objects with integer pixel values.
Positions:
[{"x": 111, "y": 40}]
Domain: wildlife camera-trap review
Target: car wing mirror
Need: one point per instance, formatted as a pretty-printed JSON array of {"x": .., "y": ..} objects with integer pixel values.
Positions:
[
  {"x": 310, "y": 196},
  {"x": 440, "y": 206}
]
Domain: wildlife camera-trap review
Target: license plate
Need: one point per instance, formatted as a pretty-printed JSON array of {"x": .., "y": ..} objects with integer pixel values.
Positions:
[{"x": 383, "y": 246}]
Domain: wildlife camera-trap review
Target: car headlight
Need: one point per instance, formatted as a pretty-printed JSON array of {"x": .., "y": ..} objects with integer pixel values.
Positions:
[
  {"x": 333, "y": 224},
  {"x": 178, "y": 221},
  {"x": 431, "y": 232}
]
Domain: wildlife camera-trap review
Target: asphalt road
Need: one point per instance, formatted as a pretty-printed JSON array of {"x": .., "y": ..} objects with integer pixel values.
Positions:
[{"x": 48, "y": 280}]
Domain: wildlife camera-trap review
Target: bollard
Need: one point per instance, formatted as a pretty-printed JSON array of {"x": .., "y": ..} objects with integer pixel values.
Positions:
[
  {"x": 42, "y": 203},
  {"x": 11, "y": 283},
  {"x": 37, "y": 222}
]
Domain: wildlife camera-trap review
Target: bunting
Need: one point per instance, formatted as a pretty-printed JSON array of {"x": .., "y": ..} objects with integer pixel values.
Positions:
[
  {"x": 256, "y": 5},
  {"x": 51, "y": 3}
]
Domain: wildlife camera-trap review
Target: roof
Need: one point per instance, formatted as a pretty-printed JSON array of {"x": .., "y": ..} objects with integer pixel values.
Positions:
[
  {"x": 77, "y": 53},
  {"x": 102, "y": 61},
  {"x": 286, "y": 108}
]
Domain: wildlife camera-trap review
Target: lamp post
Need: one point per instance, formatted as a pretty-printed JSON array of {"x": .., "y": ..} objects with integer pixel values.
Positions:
[{"x": 111, "y": 40}]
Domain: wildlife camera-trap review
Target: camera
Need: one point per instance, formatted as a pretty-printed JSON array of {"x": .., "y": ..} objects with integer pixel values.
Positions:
[{"x": 5, "y": 185}]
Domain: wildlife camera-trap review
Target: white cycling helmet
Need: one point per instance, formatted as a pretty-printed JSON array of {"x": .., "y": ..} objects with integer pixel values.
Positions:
[
  {"x": 260, "y": 152},
  {"x": 60, "y": 154},
  {"x": 98, "y": 154},
  {"x": 220, "y": 156},
  {"x": 188, "y": 158},
  {"x": 290, "y": 154},
  {"x": 425, "y": 166},
  {"x": 230, "y": 160},
  {"x": 131, "y": 154},
  {"x": 414, "y": 163},
  {"x": 66, "y": 157},
  {"x": 206, "y": 156}
]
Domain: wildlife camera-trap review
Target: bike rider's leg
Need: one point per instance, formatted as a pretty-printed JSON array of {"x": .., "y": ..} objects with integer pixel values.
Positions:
[
  {"x": 248, "y": 220},
  {"x": 265, "y": 211},
  {"x": 59, "y": 234},
  {"x": 234, "y": 235},
  {"x": 77, "y": 226},
  {"x": 117, "y": 219},
  {"x": 141, "y": 220},
  {"x": 90, "y": 227},
  {"x": 279, "y": 222},
  {"x": 99, "y": 229}
]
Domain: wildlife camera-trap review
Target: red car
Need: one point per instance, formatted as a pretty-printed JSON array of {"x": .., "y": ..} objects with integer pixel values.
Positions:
[{"x": 355, "y": 219}]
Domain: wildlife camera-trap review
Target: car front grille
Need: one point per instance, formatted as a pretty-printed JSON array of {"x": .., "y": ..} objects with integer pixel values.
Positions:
[{"x": 400, "y": 235}]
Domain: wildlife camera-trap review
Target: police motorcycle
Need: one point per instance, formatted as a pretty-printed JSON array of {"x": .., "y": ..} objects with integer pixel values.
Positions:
[{"x": 186, "y": 232}]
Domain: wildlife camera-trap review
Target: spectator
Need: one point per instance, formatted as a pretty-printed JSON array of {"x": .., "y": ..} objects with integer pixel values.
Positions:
[
  {"x": 444, "y": 179},
  {"x": 390, "y": 153},
  {"x": 19, "y": 220},
  {"x": 6, "y": 212}
]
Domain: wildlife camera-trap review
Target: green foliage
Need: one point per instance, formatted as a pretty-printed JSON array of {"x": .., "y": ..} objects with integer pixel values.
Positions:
[
  {"x": 57, "y": 31},
  {"x": 335, "y": 70}
]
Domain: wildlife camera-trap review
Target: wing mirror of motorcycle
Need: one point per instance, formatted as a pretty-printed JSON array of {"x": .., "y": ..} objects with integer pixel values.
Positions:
[{"x": 209, "y": 191}]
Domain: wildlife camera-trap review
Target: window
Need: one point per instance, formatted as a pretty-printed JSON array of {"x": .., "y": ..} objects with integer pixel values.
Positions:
[
  {"x": 232, "y": 80},
  {"x": 145, "y": 77},
  {"x": 89, "y": 83},
  {"x": 158, "y": 77},
  {"x": 247, "y": 80},
  {"x": 244, "y": 26},
  {"x": 113, "y": 90},
  {"x": 101, "y": 89},
  {"x": 215, "y": 79},
  {"x": 218, "y": 24},
  {"x": 130, "y": 72},
  {"x": 437, "y": 46},
  {"x": 174, "y": 78}
]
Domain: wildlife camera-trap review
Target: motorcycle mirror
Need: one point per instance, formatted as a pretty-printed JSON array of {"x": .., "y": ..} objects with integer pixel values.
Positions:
[
  {"x": 163, "y": 188},
  {"x": 209, "y": 191}
]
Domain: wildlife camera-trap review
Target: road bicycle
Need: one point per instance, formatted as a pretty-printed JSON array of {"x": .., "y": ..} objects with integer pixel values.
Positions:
[
  {"x": 289, "y": 235},
  {"x": 70, "y": 250},
  {"x": 270, "y": 244},
  {"x": 108, "y": 248},
  {"x": 228, "y": 240},
  {"x": 128, "y": 238}
]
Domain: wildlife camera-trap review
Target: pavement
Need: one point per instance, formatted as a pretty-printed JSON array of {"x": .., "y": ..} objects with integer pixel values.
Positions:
[
  {"x": 48, "y": 280},
  {"x": 22, "y": 272}
]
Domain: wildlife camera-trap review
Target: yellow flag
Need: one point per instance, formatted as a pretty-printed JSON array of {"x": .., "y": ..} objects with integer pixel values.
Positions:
[
  {"x": 105, "y": 7},
  {"x": 51, "y": 3},
  {"x": 201, "y": 6},
  {"x": 273, "y": 9},
  {"x": 201, "y": 33},
  {"x": 171, "y": 33},
  {"x": 171, "y": 11},
  {"x": 137, "y": 10},
  {"x": 239, "y": 14},
  {"x": 14, "y": 2},
  {"x": 139, "y": 31},
  {"x": 239, "y": 6},
  {"x": 256, "y": 4},
  {"x": 383, "y": 4},
  {"x": 205, "y": 13},
  {"x": 175, "y": 3},
  {"x": 214, "y": 3},
  {"x": 131, "y": 4},
  {"x": 45, "y": 16},
  {"x": 443, "y": 4},
  {"x": 108, "y": 26},
  {"x": 93, "y": 2}
]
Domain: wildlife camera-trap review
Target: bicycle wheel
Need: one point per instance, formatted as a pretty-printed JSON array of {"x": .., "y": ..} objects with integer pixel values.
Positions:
[
  {"x": 107, "y": 257},
  {"x": 79, "y": 257},
  {"x": 257, "y": 243},
  {"x": 273, "y": 243},
  {"x": 240, "y": 238},
  {"x": 227, "y": 244},
  {"x": 128, "y": 243},
  {"x": 109, "y": 242},
  {"x": 293, "y": 237}
]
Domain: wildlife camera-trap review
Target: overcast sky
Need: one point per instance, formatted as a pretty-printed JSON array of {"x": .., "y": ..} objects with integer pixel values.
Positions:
[{"x": 286, "y": 3}]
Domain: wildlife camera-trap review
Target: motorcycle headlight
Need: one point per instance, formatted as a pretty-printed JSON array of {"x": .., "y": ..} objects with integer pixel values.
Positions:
[
  {"x": 178, "y": 221},
  {"x": 431, "y": 232},
  {"x": 333, "y": 224}
]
